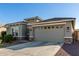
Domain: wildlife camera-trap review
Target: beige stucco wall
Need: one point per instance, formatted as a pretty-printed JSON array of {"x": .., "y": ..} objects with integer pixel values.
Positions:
[
  {"x": 68, "y": 33},
  {"x": 53, "y": 34},
  {"x": 2, "y": 29},
  {"x": 78, "y": 35}
]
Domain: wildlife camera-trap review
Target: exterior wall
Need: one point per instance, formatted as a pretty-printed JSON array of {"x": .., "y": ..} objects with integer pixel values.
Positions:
[
  {"x": 78, "y": 36},
  {"x": 68, "y": 33},
  {"x": 2, "y": 29},
  {"x": 21, "y": 30}
]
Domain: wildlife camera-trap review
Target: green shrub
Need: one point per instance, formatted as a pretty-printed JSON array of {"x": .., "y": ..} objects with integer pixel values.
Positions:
[
  {"x": 0, "y": 38},
  {"x": 8, "y": 38}
]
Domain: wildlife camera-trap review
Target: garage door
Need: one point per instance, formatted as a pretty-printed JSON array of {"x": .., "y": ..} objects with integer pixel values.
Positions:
[{"x": 50, "y": 33}]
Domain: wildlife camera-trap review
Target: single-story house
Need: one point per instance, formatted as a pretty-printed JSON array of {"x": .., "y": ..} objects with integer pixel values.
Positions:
[{"x": 56, "y": 30}]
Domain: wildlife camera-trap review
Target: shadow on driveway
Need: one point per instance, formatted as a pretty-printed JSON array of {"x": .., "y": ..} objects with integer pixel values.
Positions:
[{"x": 30, "y": 45}]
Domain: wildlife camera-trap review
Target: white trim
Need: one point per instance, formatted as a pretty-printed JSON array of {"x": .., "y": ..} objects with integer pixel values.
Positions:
[
  {"x": 15, "y": 24},
  {"x": 52, "y": 21},
  {"x": 49, "y": 24},
  {"x": 67, "y": 37}
]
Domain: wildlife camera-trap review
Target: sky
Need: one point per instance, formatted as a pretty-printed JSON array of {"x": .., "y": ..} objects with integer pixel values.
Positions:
[{"x": 14, "y": 12}]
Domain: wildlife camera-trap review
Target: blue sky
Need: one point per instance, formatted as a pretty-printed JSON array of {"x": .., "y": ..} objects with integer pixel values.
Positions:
[{"x": 17, "y": 12}]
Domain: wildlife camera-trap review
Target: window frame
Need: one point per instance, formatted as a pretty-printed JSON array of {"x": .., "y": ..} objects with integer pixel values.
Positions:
[{"x": 48, "y": 27}]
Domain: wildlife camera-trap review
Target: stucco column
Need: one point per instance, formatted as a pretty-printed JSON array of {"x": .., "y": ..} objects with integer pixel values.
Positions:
[{"x": 68, "y": 39}]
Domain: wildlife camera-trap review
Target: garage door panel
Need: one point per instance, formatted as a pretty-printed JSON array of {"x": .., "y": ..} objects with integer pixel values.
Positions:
[{"x": 54, "y": 35}]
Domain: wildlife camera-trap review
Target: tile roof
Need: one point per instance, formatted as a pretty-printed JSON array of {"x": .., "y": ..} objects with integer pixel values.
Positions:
[
  {"x": 33, "y": 18},
  {"x": 21, "y": 22},
  {"x": 59, "y": 18}
]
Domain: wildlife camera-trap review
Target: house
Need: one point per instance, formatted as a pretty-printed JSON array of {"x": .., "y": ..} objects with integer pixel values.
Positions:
[
  {"x": 56, "y": 30},
  {"x": 2, "y": 28},
  {"x": 77, "y": 34}
]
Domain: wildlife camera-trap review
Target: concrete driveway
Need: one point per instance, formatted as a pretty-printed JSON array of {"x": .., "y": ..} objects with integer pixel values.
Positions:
[{"x": 31, "y": 49}]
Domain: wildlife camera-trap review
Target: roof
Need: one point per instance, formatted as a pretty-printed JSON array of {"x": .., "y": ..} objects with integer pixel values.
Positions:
[
  {"x": 59, "y": 18},
  {"x": 20, "y": 22},
  {"x": 33, "y": 18}
]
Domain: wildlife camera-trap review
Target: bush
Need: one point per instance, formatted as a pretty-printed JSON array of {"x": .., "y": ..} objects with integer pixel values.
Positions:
[
  {"x": 0, "y": 38},
  {"x": 8, "y": 38}
]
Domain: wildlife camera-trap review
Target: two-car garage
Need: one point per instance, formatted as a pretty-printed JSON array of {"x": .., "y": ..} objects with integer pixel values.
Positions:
[{"x": 53, "y": 33}]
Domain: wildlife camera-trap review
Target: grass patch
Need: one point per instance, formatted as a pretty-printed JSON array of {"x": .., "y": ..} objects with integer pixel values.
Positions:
[
  {"x": 1, "y": 45},
  {"x": 0, "y": 41}
]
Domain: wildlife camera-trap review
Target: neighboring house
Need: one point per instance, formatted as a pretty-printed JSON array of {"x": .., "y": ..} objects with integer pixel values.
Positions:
[
  {"x": 2, "y": 28},
  {"x": 56, "y": 30},
  {"x": 77, "y": 34}
]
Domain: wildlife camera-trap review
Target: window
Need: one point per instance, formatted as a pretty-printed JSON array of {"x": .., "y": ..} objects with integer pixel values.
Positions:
[
  {"x": 67, "y": 28},
  {"x": 12, "y": 31},
  {"x": 16, "y": 33},
  {"x": 48, "y": 27}
]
